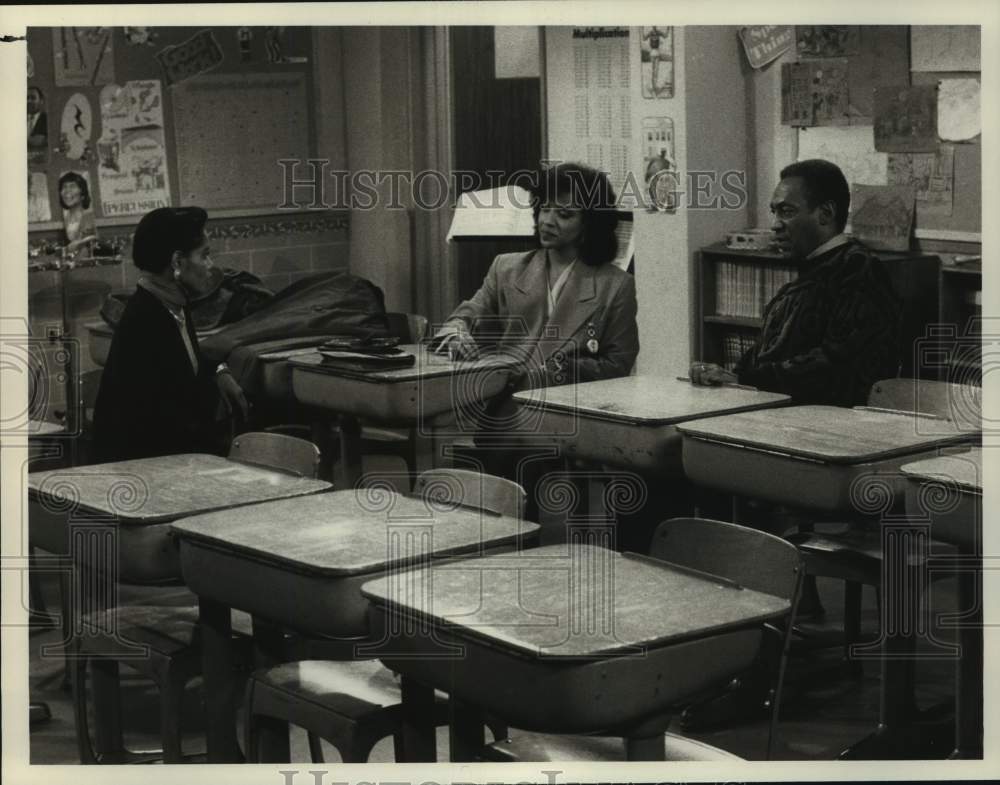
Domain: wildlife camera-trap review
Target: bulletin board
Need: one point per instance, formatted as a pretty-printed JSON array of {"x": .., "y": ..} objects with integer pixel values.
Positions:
[
  {"x": 211, "y": 168},
  {"x": 886, "y": 53},
  {"x": 224, "y": 104}
]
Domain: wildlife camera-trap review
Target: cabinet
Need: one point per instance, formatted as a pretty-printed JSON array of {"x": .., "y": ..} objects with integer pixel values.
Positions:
[
  {"x": 734, "y": 286},
  {"x": 958, "y": 341}
]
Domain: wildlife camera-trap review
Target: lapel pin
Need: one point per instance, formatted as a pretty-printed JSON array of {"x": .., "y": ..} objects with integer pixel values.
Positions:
[{"x": 593, "y": 346}]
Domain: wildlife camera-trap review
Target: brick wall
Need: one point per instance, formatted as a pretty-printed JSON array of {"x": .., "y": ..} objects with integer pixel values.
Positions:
[{"x": 277, "y": 249}]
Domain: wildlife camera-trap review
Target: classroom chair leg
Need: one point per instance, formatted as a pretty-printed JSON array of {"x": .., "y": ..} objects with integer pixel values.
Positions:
[
  {"x": 316, "y": 749},
  {"x": 171, "y": 702},
  {"x": 106, "y": 688}
]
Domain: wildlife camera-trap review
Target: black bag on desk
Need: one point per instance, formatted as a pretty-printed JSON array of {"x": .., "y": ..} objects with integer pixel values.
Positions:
[{"x": 325, "y": 305}]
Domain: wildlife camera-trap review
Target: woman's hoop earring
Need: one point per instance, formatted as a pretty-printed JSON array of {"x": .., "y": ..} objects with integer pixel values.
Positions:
[{"x": 177, "y": 274}]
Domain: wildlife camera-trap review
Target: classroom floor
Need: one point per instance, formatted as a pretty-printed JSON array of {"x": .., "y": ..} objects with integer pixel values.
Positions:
[{"x": 824, "y": 710}]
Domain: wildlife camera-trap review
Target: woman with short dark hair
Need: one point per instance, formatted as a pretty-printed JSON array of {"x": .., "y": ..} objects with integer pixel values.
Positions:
[
  {"x": 568, "y": 312},
  {"x": 158, "y": 394},
  {"x": 74, "y": 198}
]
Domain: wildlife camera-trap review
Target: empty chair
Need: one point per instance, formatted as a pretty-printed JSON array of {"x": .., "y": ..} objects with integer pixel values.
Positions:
[
  {"x": 173, "y": 655},
  {"x": 751, "y": 558},
  {"x": 854, "y": 554},
  {"x": 354, "y": 704},
  {"x": 276, "y": 451}
]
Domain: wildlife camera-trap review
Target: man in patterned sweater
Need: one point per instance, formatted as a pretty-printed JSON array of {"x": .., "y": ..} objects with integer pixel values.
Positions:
[{"x": 833, "y": 332}]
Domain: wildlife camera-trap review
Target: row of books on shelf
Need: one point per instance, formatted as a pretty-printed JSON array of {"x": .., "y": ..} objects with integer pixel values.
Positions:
[
  {"x": 743, "y": 289},
  {"x": 734, "y": 345}
]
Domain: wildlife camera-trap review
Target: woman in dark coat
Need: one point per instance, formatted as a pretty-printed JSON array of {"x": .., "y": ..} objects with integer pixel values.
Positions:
[{"x": 158, "y": 394}]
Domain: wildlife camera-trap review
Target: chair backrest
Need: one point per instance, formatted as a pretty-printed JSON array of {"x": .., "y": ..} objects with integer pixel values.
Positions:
[
  {"x": 752, "y": 558},
  {"x": 276, "y": 451},
  {"x": 961, "y": 403},
  {"x": 409, "y": 327},
  {"x": 473, "y": 489}
]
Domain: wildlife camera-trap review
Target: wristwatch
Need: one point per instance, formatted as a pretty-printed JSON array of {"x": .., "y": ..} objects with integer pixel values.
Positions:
[{"x": 221, "y": 368}]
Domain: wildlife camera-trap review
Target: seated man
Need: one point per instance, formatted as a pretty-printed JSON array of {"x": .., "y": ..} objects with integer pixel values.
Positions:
[{"x": 832, "y": 333}]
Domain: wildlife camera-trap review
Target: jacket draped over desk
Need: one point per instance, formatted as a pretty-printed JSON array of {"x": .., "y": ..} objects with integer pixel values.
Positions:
[
  {"x": 151, "y": 401},
  {"x": 830, "y": 334},
  {"x": 590, "y": 335}
]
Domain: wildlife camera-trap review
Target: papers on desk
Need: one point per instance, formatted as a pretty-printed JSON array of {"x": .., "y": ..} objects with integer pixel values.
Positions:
[
  {"x": 495, "y": 212},
  {"x": 366, "y": 362}
]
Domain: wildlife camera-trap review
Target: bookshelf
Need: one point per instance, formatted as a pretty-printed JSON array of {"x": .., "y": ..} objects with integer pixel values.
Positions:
[
  {"x": 735, "y": 285},
  {"x": 960, "y": 318}
]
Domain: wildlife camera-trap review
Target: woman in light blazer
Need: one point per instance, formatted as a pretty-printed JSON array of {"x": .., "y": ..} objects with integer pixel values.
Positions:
[{"x": 563, "y": 309}]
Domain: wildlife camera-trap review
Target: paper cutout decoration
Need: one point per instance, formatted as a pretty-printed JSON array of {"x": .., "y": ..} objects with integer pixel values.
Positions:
[
  {"x": 38, "y": 198},
  {"x": 826, "y": 40},
  {"x": 764, "y": 44},
  {"x": 656, "y": 52},
  {"x": 959, "y": 109},
  {"x": 852, "y": 149},
  {"x": 882, "y": 216},
  {"x": 906, "y": 119},
  {"x": 139, "y": 36},
  {"x": 945, "y": 48},
  {"x": 76, "y": 128},
  {"x": 932, "y": 176},
  {"x": 200, "y": 53},
  {"x": 814, "y": 93},
  {"x": 83, "y": 56},
  {"x": 244, "y": 37}
]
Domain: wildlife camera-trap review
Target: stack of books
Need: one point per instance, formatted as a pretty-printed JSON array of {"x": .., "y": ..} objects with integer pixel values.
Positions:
[
  {"x": 365, "y": 355},
  {"x": 743, "y": 289}
]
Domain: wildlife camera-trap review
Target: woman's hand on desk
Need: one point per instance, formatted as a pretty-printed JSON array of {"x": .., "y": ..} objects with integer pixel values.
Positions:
[
  {"x": 232, "y": 394},
  {"x": 711, "y": 375},
  {"x": 459, "y": 345}
]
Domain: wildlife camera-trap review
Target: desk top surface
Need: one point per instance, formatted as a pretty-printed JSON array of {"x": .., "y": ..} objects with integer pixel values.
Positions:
[
  {"x": 962, "y": 469},
  {"x": 646, "y": 400},
  {"x": 523, "y": 602},
  {"x": 428, "y": 365},
  {"x": 351, "y": 532},
  {"x": 829, "y": 433},
  {"x": 153, "y": 490}
]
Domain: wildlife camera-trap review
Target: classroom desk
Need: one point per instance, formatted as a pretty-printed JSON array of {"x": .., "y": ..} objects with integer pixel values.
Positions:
[
  {"x": 834, "y": 460},
  {"x": 812, "y": 457},
  {"x": 632, "y": 421},
  {"x": 403, "y": 397},
  {"x": 136, "y": 501},
  {"x": 101, "y": 334},
  {"x": 949, "y": 489},
  {"x": 299, "y": 565},
  {"x": 563, "y": 638}
]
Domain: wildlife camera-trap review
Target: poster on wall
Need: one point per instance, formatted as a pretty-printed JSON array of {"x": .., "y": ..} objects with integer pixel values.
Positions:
[
  {"x": 75, "y": 129},
  {"x": 882, "y": 216},
  {"x": 132, "y": 159},
  {"x": 945, "y": 48},
  {"x": 657, "y": 56},
  {"x": 38, "y": 198},
  {"x": 200, "y": 53},
  {"x": 597, "y": 111},
  {"x": 83, "y": 56},
  {"x": 827, "y": 40},
  {"x": 958, "y": 110},
  {"x": 764, "y": 44},
  {"x": 77, "y": 207},
  {"x": 660, "y": 164},
  {"x": 932, "y": 176},
  {"x": 815, "y": 93},
  {"x": 906, "y": 119},
  {"x": 38, "y": 127}
]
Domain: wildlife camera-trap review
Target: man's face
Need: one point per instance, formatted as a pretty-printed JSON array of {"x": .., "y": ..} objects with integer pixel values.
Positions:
[{"x": 798, "y": 230}]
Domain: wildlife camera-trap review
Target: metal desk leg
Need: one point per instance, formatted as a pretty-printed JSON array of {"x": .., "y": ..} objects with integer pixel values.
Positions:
[
  {"x": 969, "y": 681},
  {"x": 350, "y": 449},
  {"x": 465, "y": 731},
  {"x": 419, "y": 732},
  {"x": 217, "y": 665}
]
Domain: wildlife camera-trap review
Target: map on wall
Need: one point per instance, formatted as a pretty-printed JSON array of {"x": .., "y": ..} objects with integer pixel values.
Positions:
[{"x": 266, "y": 119}]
